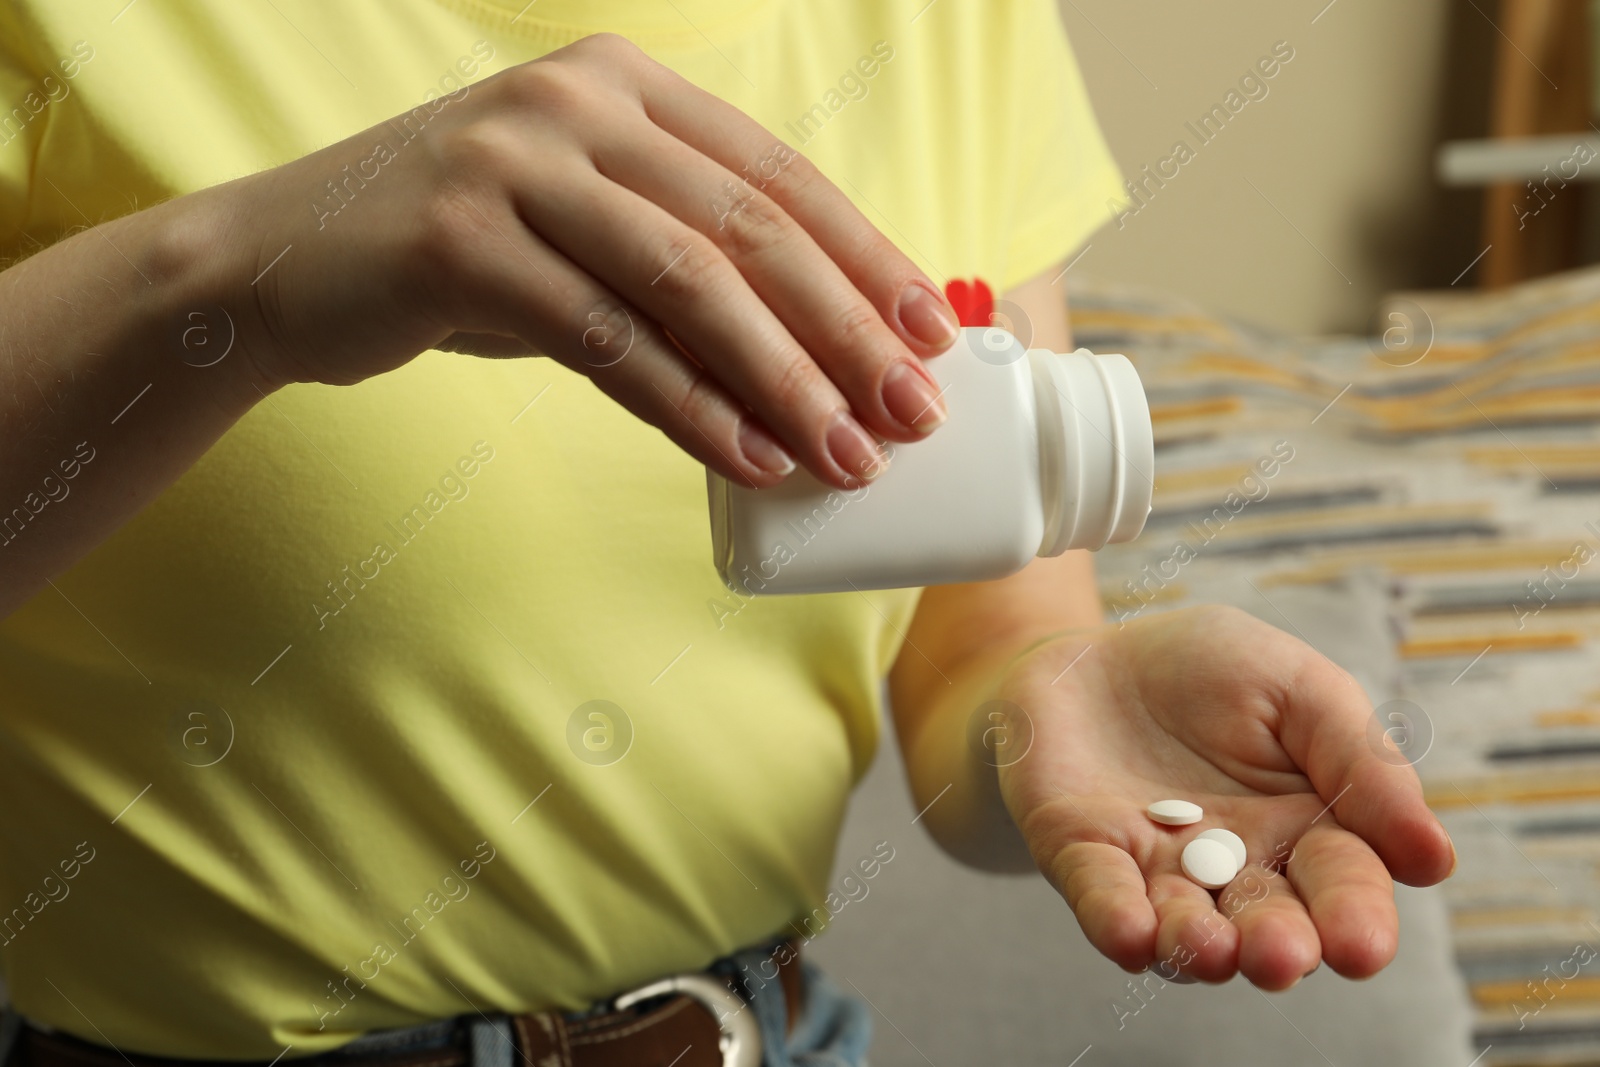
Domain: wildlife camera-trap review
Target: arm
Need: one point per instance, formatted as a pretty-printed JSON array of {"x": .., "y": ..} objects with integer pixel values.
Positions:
[
  {"x": 99, "y": 410},
  {"x": 934, "y": 691}
]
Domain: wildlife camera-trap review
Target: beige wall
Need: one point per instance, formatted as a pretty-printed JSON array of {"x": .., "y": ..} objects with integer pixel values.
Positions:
[{"x": 1341, "y": 145}]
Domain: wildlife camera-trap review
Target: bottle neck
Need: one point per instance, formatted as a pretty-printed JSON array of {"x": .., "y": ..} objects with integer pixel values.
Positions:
[{"x": 1096, "y": 449}]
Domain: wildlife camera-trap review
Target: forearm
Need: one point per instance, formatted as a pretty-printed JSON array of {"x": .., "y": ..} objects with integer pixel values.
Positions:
[
  {"x": 962, "y": 640},
  {"x": 105, "y": 396},
  {"x": 955, "y": 788}
]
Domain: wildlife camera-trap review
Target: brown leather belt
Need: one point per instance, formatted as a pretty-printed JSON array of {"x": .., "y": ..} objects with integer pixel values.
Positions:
[{"x": 672, "y": 1023}]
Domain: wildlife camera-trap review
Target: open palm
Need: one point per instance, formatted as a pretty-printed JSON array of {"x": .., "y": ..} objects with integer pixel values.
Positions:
[{"x": 1273, "y": 741}]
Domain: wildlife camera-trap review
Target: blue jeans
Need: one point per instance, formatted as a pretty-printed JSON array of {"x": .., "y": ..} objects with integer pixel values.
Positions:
[{"x": 834, "y": 1028}]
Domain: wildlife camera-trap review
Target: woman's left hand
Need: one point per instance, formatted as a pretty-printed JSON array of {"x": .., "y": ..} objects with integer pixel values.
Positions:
[{"x": 1273, "y": 740}]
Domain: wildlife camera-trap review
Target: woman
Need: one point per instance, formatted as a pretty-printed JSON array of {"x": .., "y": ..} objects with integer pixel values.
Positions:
[{"x": 369, "y": 687}]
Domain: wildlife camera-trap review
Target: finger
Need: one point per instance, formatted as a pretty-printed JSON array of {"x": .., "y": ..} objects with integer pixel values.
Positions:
[
  {"x": 488, "y": 345},
  {"x": 1278, "y": 942},
  {"x": 1192, "y": 935},
  {"x": 1106, "y": 891},
  {"x": 1350, "y": 897},
  {"x": 678, "y": 277},
  {"x": 545, "y": 302},
  {"x": 1326, "y": 730},
  {"x": 903, "y": 295},
  {"x": 810, "y": 294}
]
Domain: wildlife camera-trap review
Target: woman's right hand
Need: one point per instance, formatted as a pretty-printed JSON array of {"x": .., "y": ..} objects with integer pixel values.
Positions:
[{"x": 595, "y": 207}]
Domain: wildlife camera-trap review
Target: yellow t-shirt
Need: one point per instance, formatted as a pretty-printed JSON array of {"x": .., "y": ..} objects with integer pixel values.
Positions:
[{"x": 307, "y": 747}]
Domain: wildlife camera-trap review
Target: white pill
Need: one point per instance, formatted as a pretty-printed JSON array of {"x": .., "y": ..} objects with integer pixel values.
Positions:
[
  {"x": 1209, "y": 862},
  {"x": 1234, "y": 842},
  {"x": 1174, "y": 812}
]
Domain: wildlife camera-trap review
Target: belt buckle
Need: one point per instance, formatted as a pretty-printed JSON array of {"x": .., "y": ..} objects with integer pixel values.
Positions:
[{"x": 740, "y": 1040}]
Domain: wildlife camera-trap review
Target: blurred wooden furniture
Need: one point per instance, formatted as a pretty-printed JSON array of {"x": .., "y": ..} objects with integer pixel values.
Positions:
[{"x": 1541, "y": 86}]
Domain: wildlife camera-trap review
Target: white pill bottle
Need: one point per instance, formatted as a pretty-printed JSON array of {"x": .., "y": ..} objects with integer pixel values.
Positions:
[{"x": 1041, "y": 453}]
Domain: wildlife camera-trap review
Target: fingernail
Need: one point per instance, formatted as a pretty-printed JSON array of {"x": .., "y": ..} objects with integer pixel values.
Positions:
[
  {"x": 926, "y": 316},
  {"x": 762, "y": 449},
  {"x": 1455, "y": 860},
  {"x": 854, "y": 449},
  {"x": 911, "y": 398}
]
